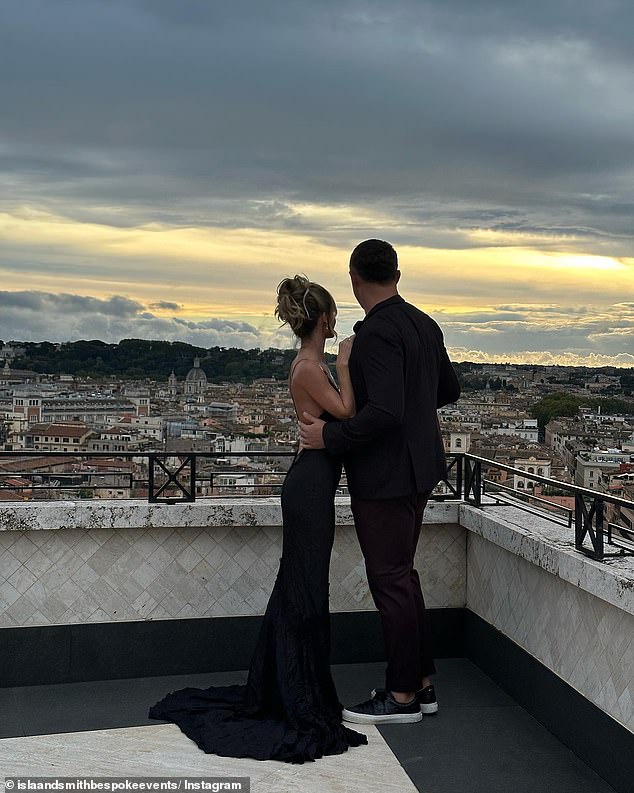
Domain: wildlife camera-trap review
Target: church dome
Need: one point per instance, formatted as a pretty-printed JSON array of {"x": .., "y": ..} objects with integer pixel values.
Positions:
[
  {"x": 196, "y": 379},
  {"x": 196, "y": 374}
]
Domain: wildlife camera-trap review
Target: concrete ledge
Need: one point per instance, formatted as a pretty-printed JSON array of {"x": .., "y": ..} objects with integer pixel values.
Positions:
[
  {"x": 128, "y": 514},
  {"x": 551, "y": 547}
]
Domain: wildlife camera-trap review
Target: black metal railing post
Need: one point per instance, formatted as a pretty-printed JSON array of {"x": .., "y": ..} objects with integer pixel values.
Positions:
[
  {"x": 154, "y": 493},
  {"x": 589, "y": 523},
  {"x": 473, "y": 482},
  {"x": 459, "y": 475}
]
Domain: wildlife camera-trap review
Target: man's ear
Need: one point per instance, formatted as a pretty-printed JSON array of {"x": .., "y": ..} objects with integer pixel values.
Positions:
[{"x": 398, "y": 277}]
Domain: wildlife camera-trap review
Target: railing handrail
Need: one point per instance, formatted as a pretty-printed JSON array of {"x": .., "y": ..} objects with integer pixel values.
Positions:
[
  {"x": 589, "y": 506},
  {"x": 584, "y": 491},
  {"x": 150, "y": 453},
  {"x": 141, "y": 453}
]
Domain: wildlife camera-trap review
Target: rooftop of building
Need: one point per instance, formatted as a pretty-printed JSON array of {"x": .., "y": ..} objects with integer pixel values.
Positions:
[
  {"x": 534, "y": 646},
  {"x": 481, "y": 741}
]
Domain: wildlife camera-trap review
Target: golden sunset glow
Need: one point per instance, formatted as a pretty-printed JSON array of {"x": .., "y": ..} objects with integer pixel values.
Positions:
[{"x": 198, "y": 266}]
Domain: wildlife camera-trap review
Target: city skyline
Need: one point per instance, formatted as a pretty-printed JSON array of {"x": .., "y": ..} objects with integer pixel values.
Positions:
[{"x": 165, "y": 164}]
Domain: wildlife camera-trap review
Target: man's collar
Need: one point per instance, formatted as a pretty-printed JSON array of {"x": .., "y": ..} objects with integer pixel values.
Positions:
[{"x": 387, "y": 302}]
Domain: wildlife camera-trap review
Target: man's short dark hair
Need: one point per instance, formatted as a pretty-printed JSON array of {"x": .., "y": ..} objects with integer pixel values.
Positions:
[{"x": 375, "y": 261}]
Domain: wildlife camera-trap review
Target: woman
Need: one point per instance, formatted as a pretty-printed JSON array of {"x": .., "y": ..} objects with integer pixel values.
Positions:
[{"x": 289, "y": 708}]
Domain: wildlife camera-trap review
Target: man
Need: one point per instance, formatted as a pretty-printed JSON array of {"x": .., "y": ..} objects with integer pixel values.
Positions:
[{"x": 394, "y": 458}]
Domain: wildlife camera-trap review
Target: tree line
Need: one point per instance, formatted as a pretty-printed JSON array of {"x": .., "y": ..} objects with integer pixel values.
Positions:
[
  {"x": 154, "y": 360},
  {"x": 563, "y": 404}
]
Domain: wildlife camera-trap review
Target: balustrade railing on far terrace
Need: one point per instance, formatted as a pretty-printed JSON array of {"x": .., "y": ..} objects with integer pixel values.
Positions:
[{"x": 588, "y": 514}]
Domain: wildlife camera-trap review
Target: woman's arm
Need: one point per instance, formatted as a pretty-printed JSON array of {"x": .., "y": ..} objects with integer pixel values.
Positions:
[
  {"x": 312, "y": 381},
  {"x": 343, "y": 375}
]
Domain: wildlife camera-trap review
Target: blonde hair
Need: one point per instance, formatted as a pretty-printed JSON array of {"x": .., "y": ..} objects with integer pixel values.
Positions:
[{"x": 301, "y": 302}]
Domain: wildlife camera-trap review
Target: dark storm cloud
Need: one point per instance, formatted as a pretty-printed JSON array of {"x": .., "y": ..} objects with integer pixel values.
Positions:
[
  {"x": 182, "y": 112},
  {"x": 35, "y": 316},
  {"x": 115, "y": 306}
]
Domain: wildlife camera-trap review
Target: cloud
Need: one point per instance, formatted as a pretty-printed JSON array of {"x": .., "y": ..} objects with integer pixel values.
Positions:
[
  {"x": 533, "y": 334},
  {"x": 185, "y": 156},
  {"x": 43, "y": 302},
  {"x": 482, "y": 115},
  {"x": 537, "y": 332},
  {"x": 542, "y": 358},
  {"x": 38, "y": 316},
  {"x": 165, "y": 305}
]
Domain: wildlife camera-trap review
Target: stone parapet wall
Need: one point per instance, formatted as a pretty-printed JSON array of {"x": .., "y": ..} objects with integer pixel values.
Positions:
[
  {"x": 574, "y": 615},
  {"x": 104, "y": 561}
]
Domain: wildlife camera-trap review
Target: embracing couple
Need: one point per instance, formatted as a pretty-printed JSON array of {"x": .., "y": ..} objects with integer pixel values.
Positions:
[{"x": 381, "y": 422}]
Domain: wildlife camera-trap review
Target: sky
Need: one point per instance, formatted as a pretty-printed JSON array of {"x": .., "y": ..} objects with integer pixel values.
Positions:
[{"x": 165, "y": 163}]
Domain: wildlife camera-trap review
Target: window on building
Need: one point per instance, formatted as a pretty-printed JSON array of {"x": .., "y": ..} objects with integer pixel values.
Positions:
[{"x": 458, "y": 443}]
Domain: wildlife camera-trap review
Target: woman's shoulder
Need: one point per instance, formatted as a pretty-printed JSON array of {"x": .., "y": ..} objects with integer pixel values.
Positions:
[{"x": 307, "y": 373}]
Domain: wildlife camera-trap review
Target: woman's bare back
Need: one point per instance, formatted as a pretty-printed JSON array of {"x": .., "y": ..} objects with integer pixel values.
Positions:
[{"x": 302, "y": 398}]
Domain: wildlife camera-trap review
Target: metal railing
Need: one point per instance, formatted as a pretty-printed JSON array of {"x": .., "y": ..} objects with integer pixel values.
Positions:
[
  {"x": 172, "y": 477},
  {"x": 587, "y": 515},
  {"x": 160, "y": 477}
]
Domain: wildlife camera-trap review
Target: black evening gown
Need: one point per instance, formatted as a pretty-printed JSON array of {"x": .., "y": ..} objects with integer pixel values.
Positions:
[{"x": 289, "y": 708}]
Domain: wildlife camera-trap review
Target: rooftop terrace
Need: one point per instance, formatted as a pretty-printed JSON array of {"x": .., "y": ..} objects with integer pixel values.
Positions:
[{"x": 105, "y": 606}]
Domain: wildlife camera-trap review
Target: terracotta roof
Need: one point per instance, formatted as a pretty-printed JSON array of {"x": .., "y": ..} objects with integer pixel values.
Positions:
[
  {"x": 33, "y": 463},
  {"x": 16, "y": 481},
  {"x": 57, "y": 430},
  {"x": 123, "y": 465}
]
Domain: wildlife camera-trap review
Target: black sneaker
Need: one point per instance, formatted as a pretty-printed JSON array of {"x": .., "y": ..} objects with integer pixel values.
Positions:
[
  {"x": 426, "y": 698},
  {"x": 382, "y": 708}
]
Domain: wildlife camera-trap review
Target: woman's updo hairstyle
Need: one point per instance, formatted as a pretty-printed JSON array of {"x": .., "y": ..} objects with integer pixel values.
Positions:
[{"x": 300, "y": 303}]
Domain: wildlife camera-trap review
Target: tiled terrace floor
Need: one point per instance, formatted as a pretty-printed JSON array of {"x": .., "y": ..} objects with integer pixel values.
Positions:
[{"x": 481, "y": 741}]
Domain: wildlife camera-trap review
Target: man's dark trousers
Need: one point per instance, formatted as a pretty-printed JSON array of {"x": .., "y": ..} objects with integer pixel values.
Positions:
[{"x": 388, "y": 532}]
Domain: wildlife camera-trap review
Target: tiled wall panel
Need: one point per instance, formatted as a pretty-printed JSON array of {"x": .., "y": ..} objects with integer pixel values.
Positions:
[
  {"x": 74, "y": 575},
  {"x": 588, "y": 642}
]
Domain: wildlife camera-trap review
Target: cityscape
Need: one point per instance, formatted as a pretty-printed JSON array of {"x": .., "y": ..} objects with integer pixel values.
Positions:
[{"x": 570, "y": 424}]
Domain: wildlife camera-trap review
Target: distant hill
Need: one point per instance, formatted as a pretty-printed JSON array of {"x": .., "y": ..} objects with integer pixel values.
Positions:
[{"x": 138, "y": 358}]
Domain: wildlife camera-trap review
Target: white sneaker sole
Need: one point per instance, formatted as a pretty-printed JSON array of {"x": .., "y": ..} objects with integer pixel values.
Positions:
[
  {"x": 429, "y": 710},
  {"x": 392, "y": 718}
]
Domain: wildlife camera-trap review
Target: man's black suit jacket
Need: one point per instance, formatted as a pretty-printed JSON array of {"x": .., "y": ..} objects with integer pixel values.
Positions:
[{"x": 400, "y": 374}]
